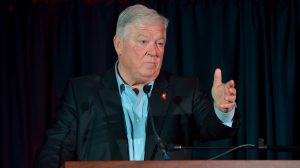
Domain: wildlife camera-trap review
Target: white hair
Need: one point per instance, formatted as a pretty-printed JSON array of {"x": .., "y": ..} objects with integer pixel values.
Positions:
[{"x": 138, "y": 14}]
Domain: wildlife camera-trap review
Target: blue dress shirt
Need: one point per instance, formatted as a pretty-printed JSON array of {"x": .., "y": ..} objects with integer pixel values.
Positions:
[{"x": 135, "y": 114}]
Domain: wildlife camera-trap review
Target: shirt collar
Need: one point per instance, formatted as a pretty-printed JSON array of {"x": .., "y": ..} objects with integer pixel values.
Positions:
[{"x": 121, "y": 84}]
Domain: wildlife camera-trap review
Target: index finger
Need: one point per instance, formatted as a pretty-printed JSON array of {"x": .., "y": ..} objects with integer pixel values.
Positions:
[{"x": 230, "y": 84}]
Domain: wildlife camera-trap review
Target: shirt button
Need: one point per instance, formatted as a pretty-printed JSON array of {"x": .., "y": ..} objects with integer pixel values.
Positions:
[{"x": 137, "y": 120}]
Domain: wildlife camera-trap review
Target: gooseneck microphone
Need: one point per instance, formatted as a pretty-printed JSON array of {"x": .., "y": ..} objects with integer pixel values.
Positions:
[{"x": 160, "y": 143}]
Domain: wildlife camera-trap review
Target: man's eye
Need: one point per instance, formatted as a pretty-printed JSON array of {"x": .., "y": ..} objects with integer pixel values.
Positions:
[
  {"x": 160, "y": 44},
  {"x": 142, "y": 41}
]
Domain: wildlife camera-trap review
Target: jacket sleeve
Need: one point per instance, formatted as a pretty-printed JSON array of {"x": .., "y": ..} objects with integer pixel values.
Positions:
[
  {"x": 60, "y": 141},
  {"x": 209, "y": 126}
]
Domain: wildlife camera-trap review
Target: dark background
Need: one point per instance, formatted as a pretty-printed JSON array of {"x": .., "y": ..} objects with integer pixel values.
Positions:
[{"x": 43, "y": 43}]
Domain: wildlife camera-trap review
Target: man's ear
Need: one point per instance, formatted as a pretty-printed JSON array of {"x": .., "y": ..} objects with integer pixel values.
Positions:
[{"x": 118, "y": 43}]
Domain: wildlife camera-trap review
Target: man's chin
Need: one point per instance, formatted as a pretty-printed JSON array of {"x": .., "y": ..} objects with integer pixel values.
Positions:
[
  {"x": 151, "y": 65},
  {"x": 147, "y": 77}
]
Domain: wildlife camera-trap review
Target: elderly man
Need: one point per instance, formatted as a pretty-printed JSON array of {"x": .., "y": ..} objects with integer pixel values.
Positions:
[{"x": 134, "y": 109}]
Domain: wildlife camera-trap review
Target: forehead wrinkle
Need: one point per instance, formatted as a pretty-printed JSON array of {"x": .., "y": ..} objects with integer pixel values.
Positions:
[{"x": 142, "y": 32}]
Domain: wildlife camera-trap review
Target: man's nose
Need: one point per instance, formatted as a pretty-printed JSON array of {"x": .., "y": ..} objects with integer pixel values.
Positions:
[{"x": 152, "y": 50}]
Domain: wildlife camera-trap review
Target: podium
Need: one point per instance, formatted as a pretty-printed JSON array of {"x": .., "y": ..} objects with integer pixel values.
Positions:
[{"x": 185, "y": 164}]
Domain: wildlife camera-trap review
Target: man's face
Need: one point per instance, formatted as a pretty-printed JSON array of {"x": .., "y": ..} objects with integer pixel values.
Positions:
[{"x": 141, "y": 52}]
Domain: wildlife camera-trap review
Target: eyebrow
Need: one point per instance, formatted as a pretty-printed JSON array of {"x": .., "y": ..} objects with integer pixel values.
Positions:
[{"x": 140, "y": 34}]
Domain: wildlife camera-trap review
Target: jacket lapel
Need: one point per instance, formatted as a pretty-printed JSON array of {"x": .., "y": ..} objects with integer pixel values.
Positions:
[
  {"x": 159, "y": 109},
  {"x": 113, "y": 108},
  {"x": 114, "y": 112}
]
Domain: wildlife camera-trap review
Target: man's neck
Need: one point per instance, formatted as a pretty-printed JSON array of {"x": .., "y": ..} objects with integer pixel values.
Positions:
[{"x": 127, "y": 80}]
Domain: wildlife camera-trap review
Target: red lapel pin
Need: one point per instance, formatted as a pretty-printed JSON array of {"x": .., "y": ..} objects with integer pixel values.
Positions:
[{"x": 164, "y": 96}]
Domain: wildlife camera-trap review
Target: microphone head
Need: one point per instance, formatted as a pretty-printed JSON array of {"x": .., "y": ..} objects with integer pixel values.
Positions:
[{"x": 147, "y": 88}]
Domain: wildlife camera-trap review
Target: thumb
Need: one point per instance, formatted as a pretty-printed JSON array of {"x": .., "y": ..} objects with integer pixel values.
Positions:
[{"x": 217, "y": 77}]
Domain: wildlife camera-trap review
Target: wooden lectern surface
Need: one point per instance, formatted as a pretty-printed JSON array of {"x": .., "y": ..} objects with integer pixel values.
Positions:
[{"x": 185, "y": 164}]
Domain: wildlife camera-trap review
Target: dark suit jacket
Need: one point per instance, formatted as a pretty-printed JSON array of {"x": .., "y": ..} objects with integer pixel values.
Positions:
[{"x": 90, "y": 123}]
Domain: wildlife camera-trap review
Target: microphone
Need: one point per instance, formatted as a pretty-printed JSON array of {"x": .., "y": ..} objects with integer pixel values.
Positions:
[
  {"x": 260, "y": 146},
  {"x": 160, "y": 143}
]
